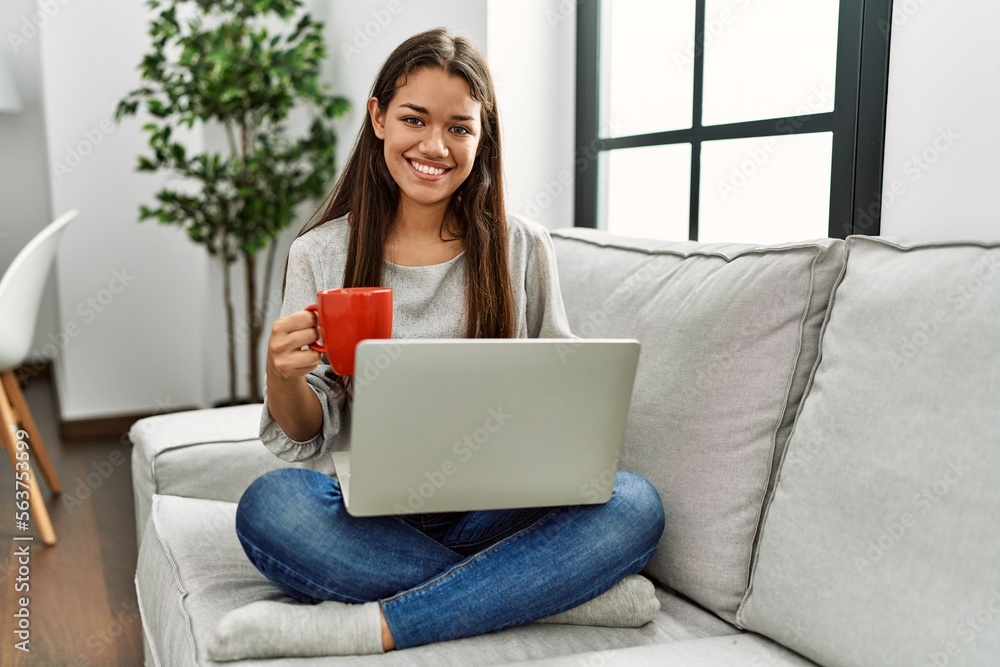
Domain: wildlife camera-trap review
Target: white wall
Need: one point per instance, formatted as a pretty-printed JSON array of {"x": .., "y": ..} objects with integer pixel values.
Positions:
[
  {"x": 532, "y": 54},
  {"x": 942, "y": 151},
  {"x": 25, "y": 206},
  {"x": 132, "y": 297}
]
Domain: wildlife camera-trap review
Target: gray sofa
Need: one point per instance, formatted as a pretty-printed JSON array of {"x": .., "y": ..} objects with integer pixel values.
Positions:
[{"x": 820, "y": 418}]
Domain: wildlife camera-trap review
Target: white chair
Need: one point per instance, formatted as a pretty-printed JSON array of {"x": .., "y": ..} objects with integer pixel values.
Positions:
[{"x": 20, "y": 297}]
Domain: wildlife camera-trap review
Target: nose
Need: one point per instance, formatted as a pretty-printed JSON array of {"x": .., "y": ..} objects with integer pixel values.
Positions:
[{"x": 433, "y": 144}]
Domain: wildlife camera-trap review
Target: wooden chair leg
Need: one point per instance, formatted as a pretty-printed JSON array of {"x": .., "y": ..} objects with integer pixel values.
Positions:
[
  {"x": 38, "y": 451},
  {"x": 36, "y": 501}
]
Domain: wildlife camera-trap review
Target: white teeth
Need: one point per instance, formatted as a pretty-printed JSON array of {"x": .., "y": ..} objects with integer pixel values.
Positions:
[{"x": 424, "y": 169}]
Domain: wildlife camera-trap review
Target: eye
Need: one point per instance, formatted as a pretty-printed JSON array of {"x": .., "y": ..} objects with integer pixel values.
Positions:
[
  {"x": 413, "y": 120},
  {"x": 460, "y": 130}
]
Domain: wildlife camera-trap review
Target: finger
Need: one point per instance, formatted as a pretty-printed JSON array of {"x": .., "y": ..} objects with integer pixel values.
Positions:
[
  {"x": 303, "y": 319},
  {"x": 300, "y": 362},
  {"x": 297, "y": 339}
]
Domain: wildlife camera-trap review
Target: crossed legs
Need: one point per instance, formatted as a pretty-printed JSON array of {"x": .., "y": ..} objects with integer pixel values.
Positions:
[{"x": 438, "y": 577}]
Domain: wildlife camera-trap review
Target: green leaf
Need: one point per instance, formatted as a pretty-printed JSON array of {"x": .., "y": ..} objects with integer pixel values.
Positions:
[{"x": 248, "y": 65}]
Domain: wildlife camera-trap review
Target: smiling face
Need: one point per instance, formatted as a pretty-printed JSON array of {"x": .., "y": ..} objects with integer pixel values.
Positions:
[{"x": 431, "y": 132}]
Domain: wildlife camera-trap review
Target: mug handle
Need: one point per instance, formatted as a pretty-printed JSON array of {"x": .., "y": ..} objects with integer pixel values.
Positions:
[{"x": 316, "y": 347}]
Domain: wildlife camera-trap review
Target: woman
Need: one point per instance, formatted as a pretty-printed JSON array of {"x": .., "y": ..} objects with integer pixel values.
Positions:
[{"x": 420, "y": 208}]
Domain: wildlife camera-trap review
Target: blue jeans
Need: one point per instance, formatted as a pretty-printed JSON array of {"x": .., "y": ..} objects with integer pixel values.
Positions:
[{"x": 445, "y": 576}]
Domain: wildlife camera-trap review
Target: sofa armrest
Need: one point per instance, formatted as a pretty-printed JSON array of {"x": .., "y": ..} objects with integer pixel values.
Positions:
[{"x": 213, "y": 454}]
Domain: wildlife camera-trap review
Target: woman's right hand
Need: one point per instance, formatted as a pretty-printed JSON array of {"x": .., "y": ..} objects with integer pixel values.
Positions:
[
  {"x": 287, "y": 355},
  {"x": 293, "y": 404}
]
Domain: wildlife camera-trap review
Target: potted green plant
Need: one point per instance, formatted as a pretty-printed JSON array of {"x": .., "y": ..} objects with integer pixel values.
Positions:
[{"x": 242, "y": 66}]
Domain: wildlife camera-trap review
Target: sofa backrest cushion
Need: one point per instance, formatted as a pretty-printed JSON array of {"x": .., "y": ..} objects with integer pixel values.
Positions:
[
  {"x": 881, "y": 545},
  {"x": 729, "y": 337}
]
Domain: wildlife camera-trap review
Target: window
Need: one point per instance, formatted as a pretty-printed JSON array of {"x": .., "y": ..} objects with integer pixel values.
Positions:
[{"x": 731, "y": 120}]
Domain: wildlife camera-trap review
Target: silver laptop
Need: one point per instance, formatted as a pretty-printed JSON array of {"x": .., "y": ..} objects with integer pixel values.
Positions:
[{"x": 472, "y": 424}]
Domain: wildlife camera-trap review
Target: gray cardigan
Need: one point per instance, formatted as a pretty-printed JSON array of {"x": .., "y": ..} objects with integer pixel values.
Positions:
[{"x": 428, "y": 302}]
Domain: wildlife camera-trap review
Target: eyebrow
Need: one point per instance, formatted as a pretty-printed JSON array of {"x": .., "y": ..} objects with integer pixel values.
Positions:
[{"x": 420, "y": 109}]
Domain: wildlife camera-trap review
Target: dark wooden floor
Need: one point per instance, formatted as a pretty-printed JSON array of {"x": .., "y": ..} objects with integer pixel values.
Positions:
[{"x": 83, "y": 609}]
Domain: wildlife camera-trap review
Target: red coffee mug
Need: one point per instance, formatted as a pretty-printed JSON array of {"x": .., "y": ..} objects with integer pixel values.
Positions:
[{"x": 348, "y": 316}]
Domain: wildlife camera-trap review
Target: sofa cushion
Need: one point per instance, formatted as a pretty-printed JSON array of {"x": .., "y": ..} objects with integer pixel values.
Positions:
[
  {"x": 729, "y": 335},
  {"x": 200, "y": 454},
  {"x": 883, "y": 526},
  {"x": 192, "y": 571},
  {"x": 741, "y": 650}
]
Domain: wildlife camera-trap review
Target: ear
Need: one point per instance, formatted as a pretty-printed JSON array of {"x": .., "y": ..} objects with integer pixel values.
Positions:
[{"x": 377, "y": 118}]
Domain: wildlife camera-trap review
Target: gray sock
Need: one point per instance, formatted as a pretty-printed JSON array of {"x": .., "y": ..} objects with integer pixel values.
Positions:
[
  {"x": 268, "y": 629},
  {"x": 628, "y": 604}
]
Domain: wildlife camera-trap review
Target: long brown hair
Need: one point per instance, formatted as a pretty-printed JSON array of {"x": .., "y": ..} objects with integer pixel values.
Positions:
[{"x": 367, "y": 191}]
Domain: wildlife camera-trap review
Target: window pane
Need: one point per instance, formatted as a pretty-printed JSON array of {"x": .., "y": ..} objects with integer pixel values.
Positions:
[
  {"x": 646, "y": 191},
  {"x": 648, "y": 66},
  {"x": 768, "y": 59},
  {"x": 766, "y": 189}
]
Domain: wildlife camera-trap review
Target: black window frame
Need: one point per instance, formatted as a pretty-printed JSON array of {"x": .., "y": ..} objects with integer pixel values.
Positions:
[{"x": 857, "y": 121}]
